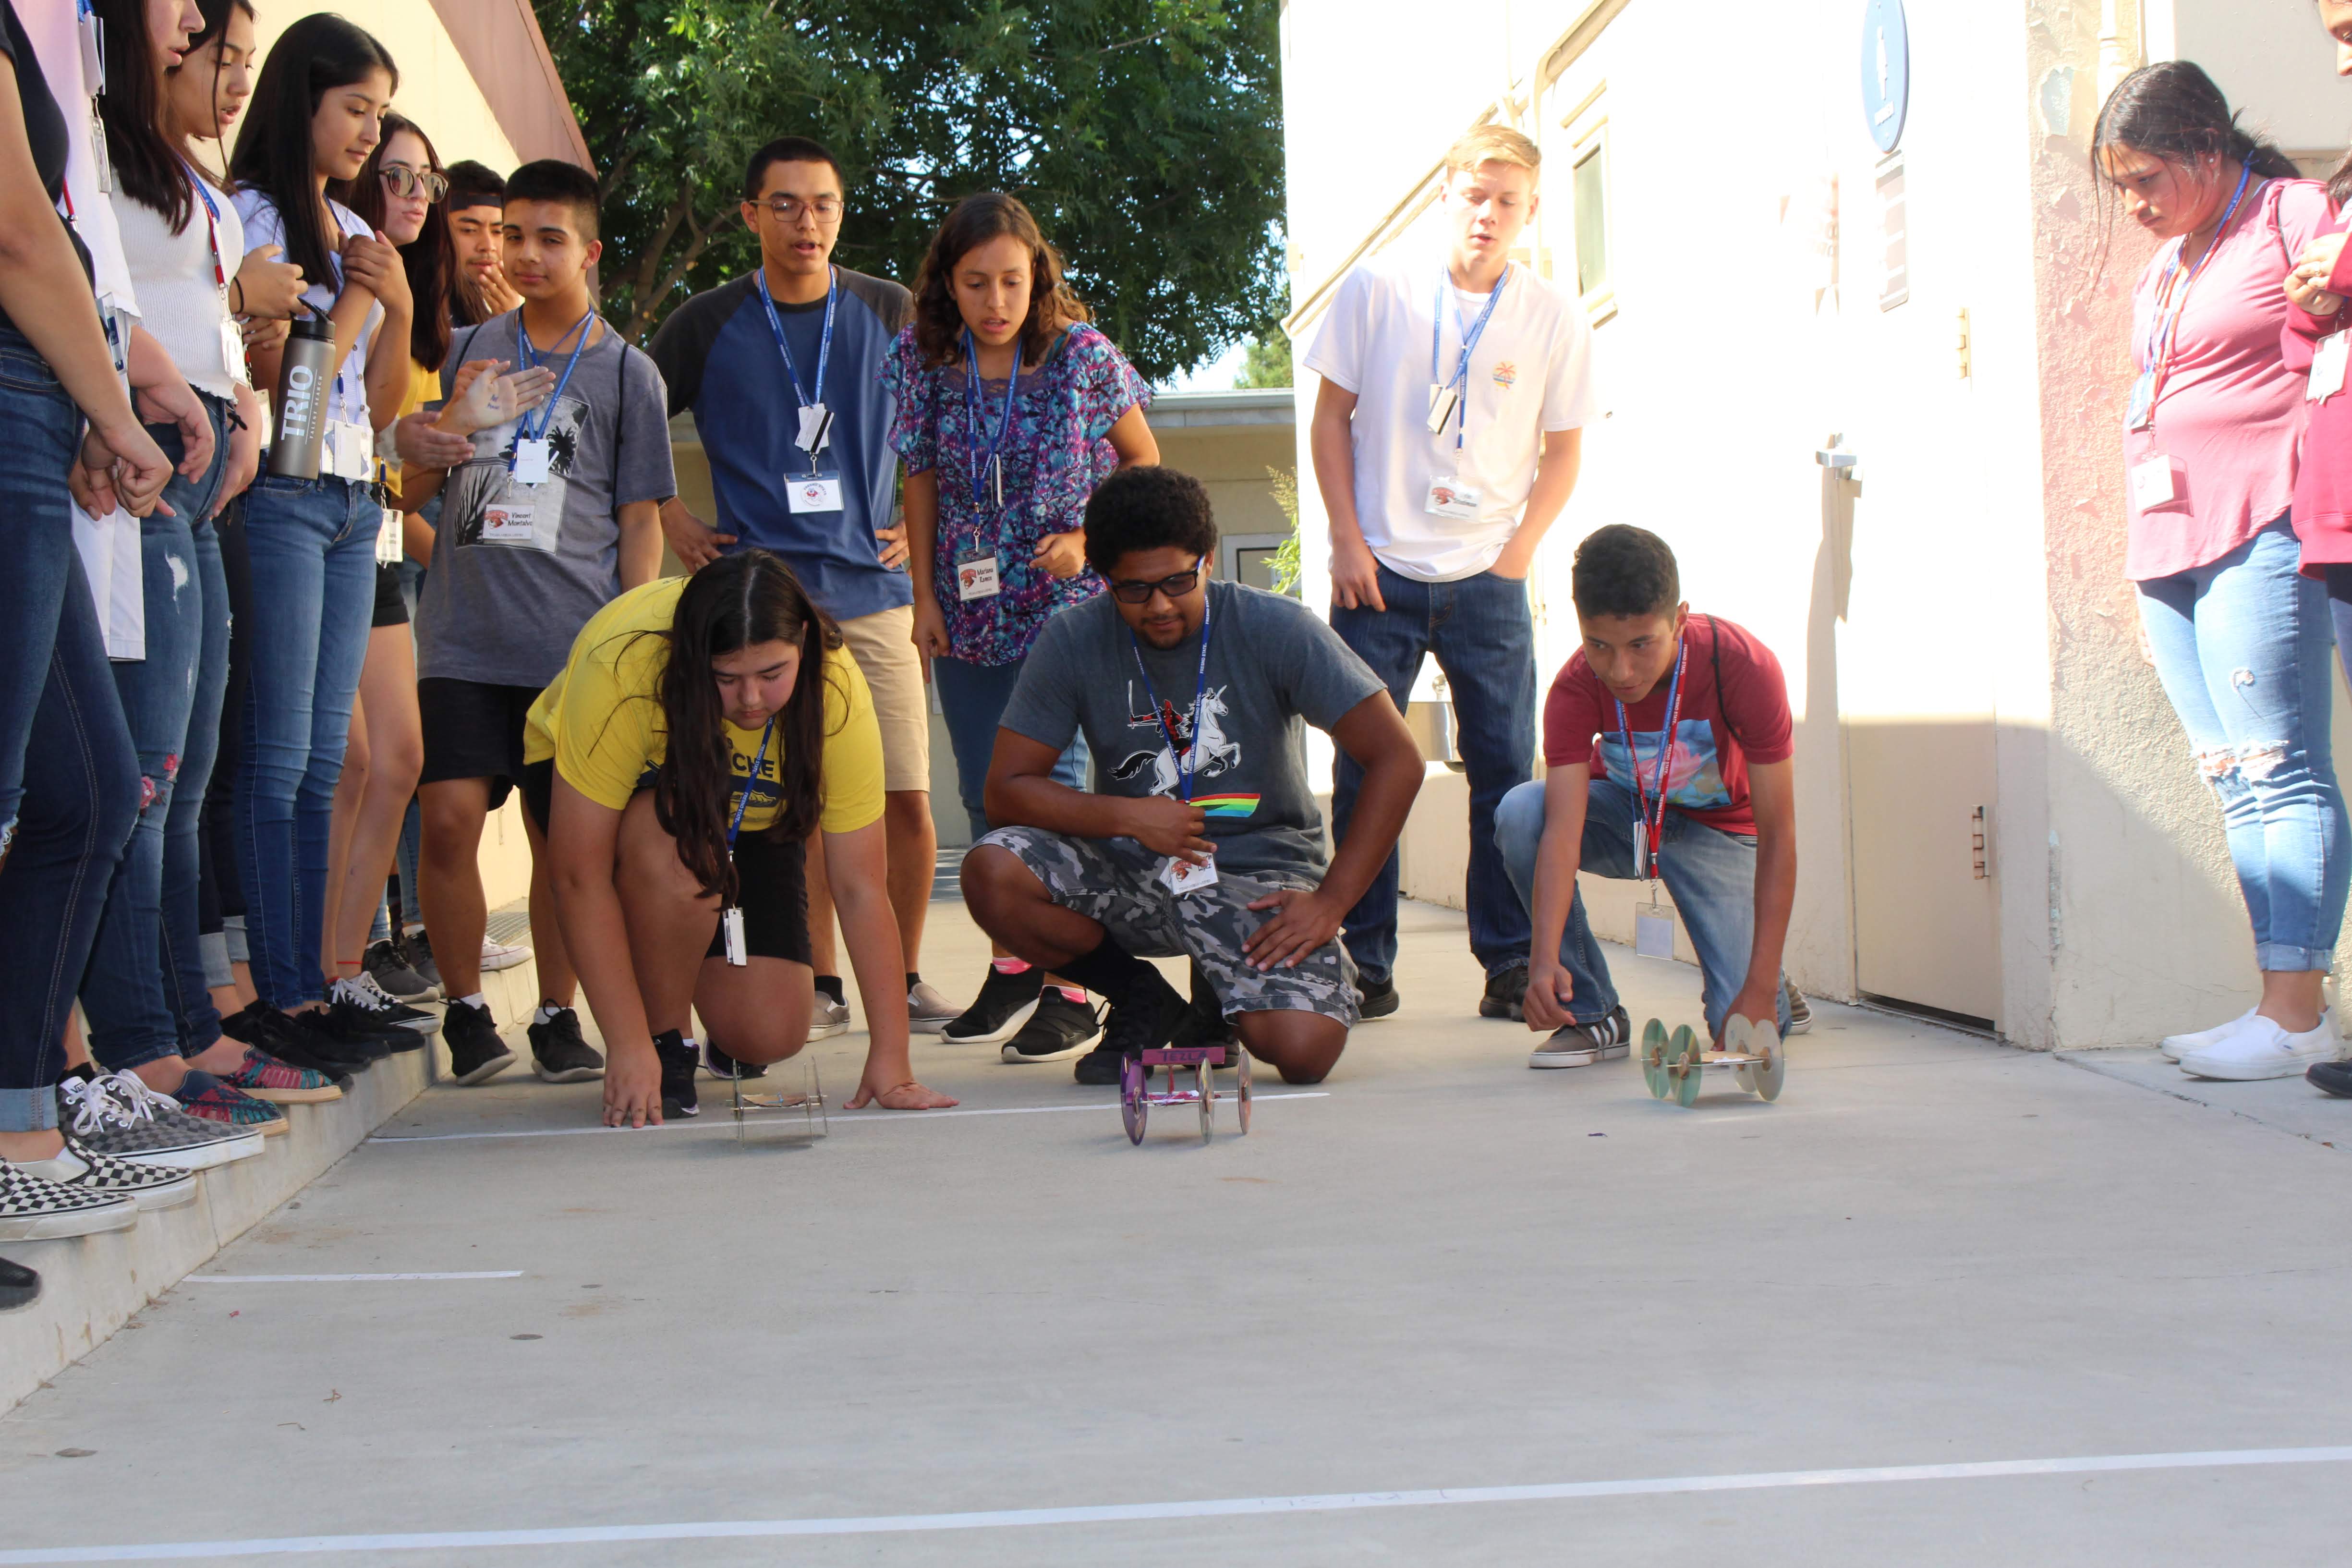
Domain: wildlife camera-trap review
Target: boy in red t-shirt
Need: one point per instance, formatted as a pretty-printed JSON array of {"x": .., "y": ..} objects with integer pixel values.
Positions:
[{"x": 1725, "y": 835}]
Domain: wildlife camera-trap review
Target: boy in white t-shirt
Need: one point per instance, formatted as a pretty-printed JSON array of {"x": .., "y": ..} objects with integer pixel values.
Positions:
[{"x": 1447, "y": 436}]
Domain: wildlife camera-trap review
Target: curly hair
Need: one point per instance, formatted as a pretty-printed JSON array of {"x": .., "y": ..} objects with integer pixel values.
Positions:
[
  {"x": 733, "y": 602},
  {"x": 976, "y": 220},
  {"x": 1148, "y": 508},
  {"x": 1621, "y": 570}
]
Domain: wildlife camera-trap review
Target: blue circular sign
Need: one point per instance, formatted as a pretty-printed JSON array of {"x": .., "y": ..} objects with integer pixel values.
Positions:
[{"x": 1885, "y": 71}]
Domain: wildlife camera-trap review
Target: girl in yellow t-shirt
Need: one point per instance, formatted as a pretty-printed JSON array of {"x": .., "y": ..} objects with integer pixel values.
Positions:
[{"x": 702, "y": 729}]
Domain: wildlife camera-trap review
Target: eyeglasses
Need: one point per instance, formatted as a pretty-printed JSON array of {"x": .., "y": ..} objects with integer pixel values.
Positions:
[
  {"x": 788, "y": 209},
  {"x": 1128, "y": 591},
  {"x": 402, "y": 181}
]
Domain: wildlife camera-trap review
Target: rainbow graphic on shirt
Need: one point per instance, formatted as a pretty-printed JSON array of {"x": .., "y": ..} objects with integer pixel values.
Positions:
[{"x": 1226, "y": 805}]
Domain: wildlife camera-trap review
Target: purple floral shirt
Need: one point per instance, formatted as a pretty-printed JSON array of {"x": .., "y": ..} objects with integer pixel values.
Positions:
[{"x": 1056, "y": 452}]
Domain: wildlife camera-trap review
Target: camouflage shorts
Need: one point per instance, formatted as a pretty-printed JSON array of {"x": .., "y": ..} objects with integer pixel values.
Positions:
[{"x": 1207, "y": 925}]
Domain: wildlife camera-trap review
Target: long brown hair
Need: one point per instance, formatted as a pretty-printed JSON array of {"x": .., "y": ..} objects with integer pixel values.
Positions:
[
  {"x": 2173, "y": 110},
  {"x": 733, "y": 602},
  {"x": 976, "y": 220},
  {"x": 430, "y": 259}
]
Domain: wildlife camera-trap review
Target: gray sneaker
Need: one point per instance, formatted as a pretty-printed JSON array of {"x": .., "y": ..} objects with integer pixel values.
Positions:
[
  {"x": 119, "y": 1116},
  {"x": 1581, "y": 1045},
  {"x": 828, "y": 1018},
  {"x": 927, "y": 1012}
]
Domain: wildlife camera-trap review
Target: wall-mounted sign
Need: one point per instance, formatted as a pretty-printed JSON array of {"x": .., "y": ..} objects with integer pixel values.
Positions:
[
  {"x": 1885, "y": 71},
  {"x": 1894, "y": 234}
]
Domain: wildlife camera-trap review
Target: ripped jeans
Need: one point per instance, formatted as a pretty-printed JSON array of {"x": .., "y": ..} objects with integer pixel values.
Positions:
[{"x": 2242, "y": 645}]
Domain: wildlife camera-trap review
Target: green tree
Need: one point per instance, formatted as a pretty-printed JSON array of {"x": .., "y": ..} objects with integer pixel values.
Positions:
[
  {"x": 1265, "y": 360},
  {"x": 1146, "y": 135}
]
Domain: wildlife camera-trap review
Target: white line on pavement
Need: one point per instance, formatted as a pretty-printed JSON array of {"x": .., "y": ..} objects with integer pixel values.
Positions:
[
  {"x": 340, "y": 1279},
  {"x": 861, "y": 1121},
  {"x": 1212, "y": 1508}
]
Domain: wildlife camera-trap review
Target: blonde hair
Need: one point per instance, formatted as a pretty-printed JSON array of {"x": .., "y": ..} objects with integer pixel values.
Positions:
[{"x": 1493, "y": 144}]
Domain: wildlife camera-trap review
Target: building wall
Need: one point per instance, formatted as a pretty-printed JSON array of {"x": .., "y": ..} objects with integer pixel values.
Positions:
[{"x": 437, "y": 89}]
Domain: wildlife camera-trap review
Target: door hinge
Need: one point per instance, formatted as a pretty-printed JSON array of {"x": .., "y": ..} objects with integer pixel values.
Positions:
[{"x": 1981, "y": 855}]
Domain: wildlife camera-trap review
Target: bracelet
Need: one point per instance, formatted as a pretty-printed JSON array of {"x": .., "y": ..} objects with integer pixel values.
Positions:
[{"x": 238, "y": 284}]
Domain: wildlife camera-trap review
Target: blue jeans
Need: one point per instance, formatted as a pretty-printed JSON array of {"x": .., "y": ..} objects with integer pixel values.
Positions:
[
  {"x": 1710, "y": 874},
  {"x": 973, "y": 696},
  {"x": 2242, "y": 645},
  {"x": 1484, "y": 639},
  {"x": 145, "y": 978},
  {"x": 68, "y": 780},
  {"x": 312, "y": 544}
]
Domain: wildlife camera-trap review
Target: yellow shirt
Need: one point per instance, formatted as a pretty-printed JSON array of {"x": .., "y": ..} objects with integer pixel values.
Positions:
[
  {"x": 600, "y": 719},
  {"x": 424, "y": 388}
]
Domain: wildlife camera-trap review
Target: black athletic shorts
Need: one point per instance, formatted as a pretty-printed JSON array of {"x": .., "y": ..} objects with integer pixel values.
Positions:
[
  {"x": 771, "y": 877},
  {"x": 391, "y": 608},
  {"x": 474, "y": 731}
]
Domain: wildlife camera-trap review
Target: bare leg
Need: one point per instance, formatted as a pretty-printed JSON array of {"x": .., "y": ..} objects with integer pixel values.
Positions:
[
  {"x": 396, "y": 745},
  {"x": 1301, "y": 1046},
  {"x": 351, "y": 787},
  {"x": 2292, "y": 998},
  {"x": 1012, "y": 905},
  {"x": 558, "y": 983},
  {"x": 455, "y": 912},
  {"x": 761, "y": 1010},
  {"x": 671, "y": 922},
  {"x": 822, "y": 953},
  {"x": 914, "y": 848}
]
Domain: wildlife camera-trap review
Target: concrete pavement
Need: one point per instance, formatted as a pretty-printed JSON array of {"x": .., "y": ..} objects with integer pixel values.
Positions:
[{"x": 1446, "y": 1272}]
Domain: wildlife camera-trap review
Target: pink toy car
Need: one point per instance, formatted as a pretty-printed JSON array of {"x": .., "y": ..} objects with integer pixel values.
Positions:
[{"x": 1136, "y": 1096}]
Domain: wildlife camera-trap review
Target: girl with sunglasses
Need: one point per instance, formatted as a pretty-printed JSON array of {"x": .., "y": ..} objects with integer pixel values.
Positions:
[{"x": 1010, "y": 408}]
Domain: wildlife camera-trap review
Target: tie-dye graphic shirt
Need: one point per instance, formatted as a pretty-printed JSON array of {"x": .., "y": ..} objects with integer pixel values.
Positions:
[{"x": 1735, "y": 712}]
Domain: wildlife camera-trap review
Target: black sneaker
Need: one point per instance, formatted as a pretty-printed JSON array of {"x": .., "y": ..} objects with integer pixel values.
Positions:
[
  {"x": 360, "y": 1022},
  {"x": 381, "y": 1011},
  {"x": 2336, "y": 1078},
  {"x": 19, "y": 1285},
  {"x": 1002, "y": 1006},
  {"x": 265, "y": 1029},
  {"x": 719, "y": 1064},
  {"x": 1801, "y": 1016},
  {"x": 1059, "y": 1029},
  {"x": 1506, "y": 994},
  {"x": 419, "y": 951},
  {"x": 559, "y": 1054},
  {"x": 1146, "y": 1021},
  {"x": 1376, "y": 996},
  {"x": 679, "y": 1061},
  {"x": 323, "y": 1031},
  {"x": 477, "y": 1054},
  {"x": 396, "y": 974}
]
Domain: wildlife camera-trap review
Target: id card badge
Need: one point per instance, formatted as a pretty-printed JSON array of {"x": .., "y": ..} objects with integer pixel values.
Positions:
[
  {"x": 2327, "y": 365},
  {"x": 813, "y": 492},
  {"x": 233, "y": 351},
  {"x": 1180, "y": 876},
  {"x": 1654, "y": 929},
  {"x": 530, "y": 461},
  {"x": 354, "y": 451},
  {"x": 2140, "y": 412},
  {"x": 976, "y": 576},
  {"x": 1443, "y": 401},
  {"x": 1449, "y": 496},
  {"x": 816, "y": 429},
  {"x": 509, "y": 520},
  {"x": 388, "y": 538},
  {"x": 2152, "y": 484},
  {"x": 731, "y": 926},
  {"x": 93, "y": 54}
]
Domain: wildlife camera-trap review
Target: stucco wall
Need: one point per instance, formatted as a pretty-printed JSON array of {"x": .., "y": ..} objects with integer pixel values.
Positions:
[{"x": 435, "y": 88}]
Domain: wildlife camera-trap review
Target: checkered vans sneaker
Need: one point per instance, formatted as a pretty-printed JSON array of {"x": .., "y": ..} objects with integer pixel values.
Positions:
[
  {"x": 264, "y": 1078},
  {"x": 34, "y": 1210},
  {"x": 119, "y": 1115},
  {"x": 82, "y": 1168}
]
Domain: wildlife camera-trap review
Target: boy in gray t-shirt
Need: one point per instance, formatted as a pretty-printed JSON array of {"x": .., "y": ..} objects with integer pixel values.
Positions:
[
  {"x": 1204, "y": 839},
  {"x": 555, "y": 515}
]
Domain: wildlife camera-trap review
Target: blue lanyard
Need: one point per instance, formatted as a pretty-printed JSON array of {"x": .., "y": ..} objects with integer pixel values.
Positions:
[
  {"x": 531, "y": 362},
  {"x": 743, "y": 803},
  {"x": 976, "y": 459},
  {"x": 824, "y": 343},
  {"x": 1459, "y": 381},
  {"x": 1654, "y": 823},
  {"x": 1189, "y": 755},
  {"x": 2164, "y": 328}
]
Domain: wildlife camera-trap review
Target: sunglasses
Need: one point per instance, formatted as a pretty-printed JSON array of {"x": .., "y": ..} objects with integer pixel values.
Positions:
[
  {"x": 402, "y": 181},
  {"x": 1128, "y": 591}
]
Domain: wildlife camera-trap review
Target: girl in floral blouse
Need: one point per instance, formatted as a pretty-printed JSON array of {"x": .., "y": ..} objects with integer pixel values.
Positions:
[{"x": 1011, "y": 410}]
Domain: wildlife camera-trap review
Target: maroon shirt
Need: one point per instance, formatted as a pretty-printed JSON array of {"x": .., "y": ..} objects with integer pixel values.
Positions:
[{"x": 2323, "y": 483}]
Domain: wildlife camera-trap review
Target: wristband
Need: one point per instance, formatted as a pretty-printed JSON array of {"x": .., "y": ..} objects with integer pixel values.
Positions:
[{"x": 238, "y": 284}]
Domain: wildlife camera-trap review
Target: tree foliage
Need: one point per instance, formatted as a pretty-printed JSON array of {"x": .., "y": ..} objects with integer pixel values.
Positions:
[
  {"x": 1265, "y": 360},
  {"x": 1146, "y": 135}
]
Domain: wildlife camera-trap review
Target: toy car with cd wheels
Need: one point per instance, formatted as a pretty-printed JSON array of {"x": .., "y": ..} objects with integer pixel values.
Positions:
[
  {"x": 1674, "y": 1065},
  {"x": 1137, "y": 1097},
  {"x": 802, "y": 1111}
]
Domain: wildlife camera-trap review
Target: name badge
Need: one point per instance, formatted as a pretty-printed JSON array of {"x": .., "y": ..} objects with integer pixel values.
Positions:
[
  {"x": 1443, "y": 401},
  {"x": 233, "y": 351},
  {"x": 1180, "y": 875},
  {"x": 813, "y": 492},
  {"x": 976, "y": 577},
  {"x": 1449, "y": 496},
  {"x": 2153, "y": 484},
  {"x": 816, "y": 428},
  {"x": 2140, "y": 412},
  {"x": 509, "y": 522},
  {"x": 1654, "y": 930},
  {"x": 2327, "y": 366},
  {"x": 388, "y": 538},
  {"x": 352, "y": 445},
  {"x": 731, "y": 926},
  {"x": 531, "y": 459}
]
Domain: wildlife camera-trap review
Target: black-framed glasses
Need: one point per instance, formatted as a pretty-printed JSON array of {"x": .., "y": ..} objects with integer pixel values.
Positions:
[
  {"x": 402, "y": 181},
  {"x": 788, "y": 209},
  {"x": 1128, "y": 591}
]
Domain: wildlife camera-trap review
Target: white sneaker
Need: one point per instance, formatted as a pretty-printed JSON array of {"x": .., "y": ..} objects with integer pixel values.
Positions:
[
  {"x": 2257, "y": 1047},
  {"x": 498, "y": 956},
  {"x": 828, "y": 1018},
  {"x": 2172, "y": 1048}
]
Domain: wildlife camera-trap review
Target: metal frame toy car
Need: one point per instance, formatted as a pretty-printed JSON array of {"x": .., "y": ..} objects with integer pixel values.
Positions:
[{"x": 1136, "y": 1096}]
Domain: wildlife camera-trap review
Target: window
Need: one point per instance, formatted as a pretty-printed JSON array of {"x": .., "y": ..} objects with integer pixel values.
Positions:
[{"x": 1590, "y": 191}]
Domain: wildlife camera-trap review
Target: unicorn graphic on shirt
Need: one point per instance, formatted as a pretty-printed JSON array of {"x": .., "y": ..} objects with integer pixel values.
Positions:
[{"x": 1212, "y": 755}]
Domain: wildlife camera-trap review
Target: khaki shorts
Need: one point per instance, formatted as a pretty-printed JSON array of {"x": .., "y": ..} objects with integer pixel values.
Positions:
[{"x": 884, "y": 646}]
